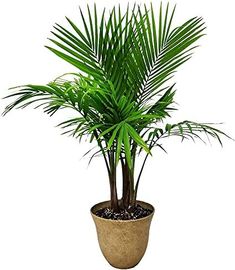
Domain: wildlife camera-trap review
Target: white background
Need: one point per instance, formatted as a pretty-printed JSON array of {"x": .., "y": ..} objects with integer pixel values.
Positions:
[{"x": 46, "y": 191}]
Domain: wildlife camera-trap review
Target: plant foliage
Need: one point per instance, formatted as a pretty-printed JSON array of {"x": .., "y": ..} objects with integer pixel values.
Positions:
[{"x": 123, "y": 90}]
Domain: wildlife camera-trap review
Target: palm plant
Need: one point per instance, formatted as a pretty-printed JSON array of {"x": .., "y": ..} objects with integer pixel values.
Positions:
[{"x": 123, "y": 90}]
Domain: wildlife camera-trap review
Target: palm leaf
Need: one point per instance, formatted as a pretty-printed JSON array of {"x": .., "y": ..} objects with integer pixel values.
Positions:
[{"x": 161, "y": 52}]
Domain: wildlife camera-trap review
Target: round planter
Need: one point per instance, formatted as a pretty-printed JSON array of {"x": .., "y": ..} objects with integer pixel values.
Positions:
[{"x": 122, "y": 242}]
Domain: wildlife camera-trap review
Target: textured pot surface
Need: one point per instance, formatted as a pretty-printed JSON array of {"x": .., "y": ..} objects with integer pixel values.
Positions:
[{"x": 122, "y": 242}]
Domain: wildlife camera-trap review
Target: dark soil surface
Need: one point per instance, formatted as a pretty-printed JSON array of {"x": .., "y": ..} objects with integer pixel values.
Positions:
[{"x": 127, "y": 214}]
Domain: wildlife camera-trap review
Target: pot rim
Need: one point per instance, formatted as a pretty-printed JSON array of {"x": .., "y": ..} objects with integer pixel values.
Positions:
[{"x": 119, "y": 220}]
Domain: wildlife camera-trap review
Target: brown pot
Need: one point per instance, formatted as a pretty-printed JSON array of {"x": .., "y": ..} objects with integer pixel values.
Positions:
[{"x": 122, "y": 242}]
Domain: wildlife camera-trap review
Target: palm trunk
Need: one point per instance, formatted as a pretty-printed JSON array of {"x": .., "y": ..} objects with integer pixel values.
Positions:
[
  {"x": 113, "y": 184},
  {"x": 128, "y": 186},
  {"x": 125, "y": 186},
  {"x": 113, "y": 194}
]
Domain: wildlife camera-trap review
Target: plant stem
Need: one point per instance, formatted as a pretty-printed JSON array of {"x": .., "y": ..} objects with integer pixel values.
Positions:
[
  {"x": 132, "y": 179},
  {"x": 113, "y": 184},
  {"x": 103, "y": 152},
  {"x": 125, "y": 185},
  {"x": 138, "y": 179},
  {"x": 152, "y": 143}
]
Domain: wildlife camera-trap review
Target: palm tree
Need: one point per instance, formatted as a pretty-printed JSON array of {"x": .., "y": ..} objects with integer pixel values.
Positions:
[{"x": 123, "y": 90}]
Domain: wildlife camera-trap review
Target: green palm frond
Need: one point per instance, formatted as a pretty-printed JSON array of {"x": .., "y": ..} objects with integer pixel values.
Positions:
[
  {"x": 157, "y": 53},
  {"x": 186, "y": 130},
  {"x": 125, "y": 60},
  {"x": 50, "y": 96},
  {"x": 163, "y": 105}
]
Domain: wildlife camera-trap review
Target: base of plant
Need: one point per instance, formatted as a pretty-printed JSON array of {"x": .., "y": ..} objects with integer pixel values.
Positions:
[{"x": 134, "y": 212}]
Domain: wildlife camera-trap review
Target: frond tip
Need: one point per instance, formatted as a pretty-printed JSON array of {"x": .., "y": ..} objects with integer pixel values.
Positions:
[{"x": 188, "y": 130}]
